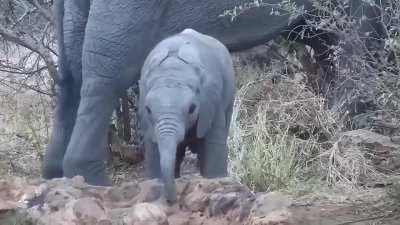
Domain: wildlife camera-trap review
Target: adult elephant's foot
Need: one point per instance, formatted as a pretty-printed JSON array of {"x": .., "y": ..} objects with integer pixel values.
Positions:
[
  {"x": 86, "y": 153},
  {"x": 53, "y": 157},
  {"x": 65, "y": 115},
  {"x": 93, "y": 171},
  {"x": 52, "y": 169}
]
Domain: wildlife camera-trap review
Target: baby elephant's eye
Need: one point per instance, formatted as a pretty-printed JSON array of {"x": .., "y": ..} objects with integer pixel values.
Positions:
[
  {"x": 192, "y": 108},
  {"x": 148, "y": 110}
]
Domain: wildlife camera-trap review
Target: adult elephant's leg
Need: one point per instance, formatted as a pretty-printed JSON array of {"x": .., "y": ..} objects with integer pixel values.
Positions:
[
  {"x": 71, "y": 17},
  {"x": 118, "y": 36},
  {"x": 180, "y": 156}
]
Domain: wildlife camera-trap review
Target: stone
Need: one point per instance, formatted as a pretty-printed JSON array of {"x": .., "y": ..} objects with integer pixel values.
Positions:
[
  {"x": 125, "y": 192},
  {"x": 279, "y": 217},
  {"x": 88, "y": 211},
  {"x": 179, "y": 219},
  {"x": 396, "y": 139},
  {"x": 269, "y": 202},
  {"x": 58, "y": 197},
  {"x": 220, "y": 204},
  {"x": 151, "y": 190},
  {"x": 380, "y": 149},
  {"x": 146, "y": 214},
  {"x": 197, "y": 200}
]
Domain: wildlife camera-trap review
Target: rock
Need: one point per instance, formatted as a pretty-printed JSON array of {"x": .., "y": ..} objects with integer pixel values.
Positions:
[
  {"x": 146, "y": 214},
  {"x": 380, "y": 121},
  {"x": 365, "y": 137},
  {"x": 126, "y": 191},
  {"x": 13, "y": 194},
  {"x": 220, "y": 204},
  {"x": 384, "y": 154},
  {"x": 151, "y": 190},
  {"x": 78, "y": 182},
  {"x": 197, "y": 200},
  {"x": 45, "y": 216},
  {"x": 89, "y": 211},
  {"x": 7, "y": 206},
  {"x": 279, "y": 217},
  {"x": 58, "y": 197},
  {"x": 271, "y": 209},
  {"x": 269, "y": 202},
  {"x": 104, "y": 222},
  {"x": 259, "y": 55},
  {"x": 179, "y": 219},
  {"x": 396, "y": 139}
]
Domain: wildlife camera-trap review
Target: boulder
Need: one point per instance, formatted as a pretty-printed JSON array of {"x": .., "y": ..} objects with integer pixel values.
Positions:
[
  {"x": 146, "y": 214},
  {"x": 379, "y": 149}
]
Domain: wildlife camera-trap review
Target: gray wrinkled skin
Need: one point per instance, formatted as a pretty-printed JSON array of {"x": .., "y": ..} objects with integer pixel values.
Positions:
[
  {"x": 102, "y": 46},
  {"x": 187, "y": 91}
]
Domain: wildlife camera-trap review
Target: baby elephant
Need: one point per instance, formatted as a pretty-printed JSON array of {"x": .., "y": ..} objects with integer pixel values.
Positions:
[{"x": 186, "y": 97}]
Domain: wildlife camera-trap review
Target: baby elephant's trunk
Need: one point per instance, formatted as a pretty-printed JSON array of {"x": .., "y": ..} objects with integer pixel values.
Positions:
[
  {"x": 167, "y": 147},
  {"x": 170, "y": 132}
]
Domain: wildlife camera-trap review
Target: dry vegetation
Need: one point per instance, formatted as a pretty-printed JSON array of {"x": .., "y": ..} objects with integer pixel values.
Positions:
[
  {"x": 276, "y": 131},
  {"x": 283, "y": 134}
]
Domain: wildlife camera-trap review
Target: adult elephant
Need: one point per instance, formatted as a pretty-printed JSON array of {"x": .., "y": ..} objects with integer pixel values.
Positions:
[{"x": 102, "y": 45}]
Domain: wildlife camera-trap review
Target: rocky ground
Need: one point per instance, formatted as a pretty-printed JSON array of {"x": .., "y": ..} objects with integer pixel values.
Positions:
[
  {"x": 200, "y": 202},
  {"x": 215, "y": 201}
]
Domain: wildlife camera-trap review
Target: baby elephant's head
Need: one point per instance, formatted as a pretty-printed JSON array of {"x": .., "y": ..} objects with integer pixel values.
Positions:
[{"x": 172, "y": 108}]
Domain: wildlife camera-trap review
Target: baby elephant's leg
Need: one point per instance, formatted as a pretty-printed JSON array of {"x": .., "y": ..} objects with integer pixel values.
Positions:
[
  {"x": 213, "y": 157},
  {"x": 152, "y": 159}
]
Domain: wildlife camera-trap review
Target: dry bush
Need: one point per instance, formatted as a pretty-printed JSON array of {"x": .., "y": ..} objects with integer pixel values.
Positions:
[
  {"x": 28, "y": 115},
  {"x": 27, "y": 45},
  {"x": 366, "y": 93},
  {"x": 349, "y": 167},
  {"x": 367, "y": 86},
  {"x": 25, "y": 123},
  {"x": 277, "y": 130},
  {"x": 281, "y": 130},
  {"x": 283, "y": 137}
]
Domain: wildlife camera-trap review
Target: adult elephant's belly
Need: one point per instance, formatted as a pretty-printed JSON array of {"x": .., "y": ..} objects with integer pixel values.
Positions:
[{"x": 250, "y": 28}]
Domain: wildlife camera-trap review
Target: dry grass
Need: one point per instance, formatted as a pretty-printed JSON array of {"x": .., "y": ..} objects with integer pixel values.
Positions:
[
  {"x": 350, "y": 167},
  {"x": 283, "y": 136},
  {"x": 277, "y": 129}
]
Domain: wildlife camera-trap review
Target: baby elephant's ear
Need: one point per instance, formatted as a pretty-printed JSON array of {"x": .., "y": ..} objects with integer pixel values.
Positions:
[
  {"x": 210, "y": 99},
  {"x": 154, "y": 59}
]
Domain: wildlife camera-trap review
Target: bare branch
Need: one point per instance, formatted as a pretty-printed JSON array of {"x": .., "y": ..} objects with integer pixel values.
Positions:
[{"x": 43, "y": 11}]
